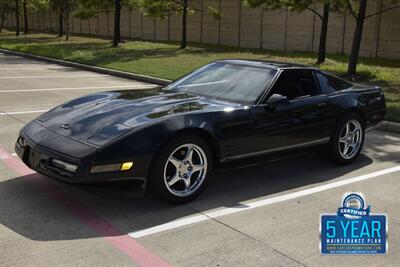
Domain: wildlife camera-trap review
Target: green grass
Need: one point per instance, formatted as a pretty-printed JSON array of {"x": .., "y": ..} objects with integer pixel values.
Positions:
[{"x": 164, "y": 60}]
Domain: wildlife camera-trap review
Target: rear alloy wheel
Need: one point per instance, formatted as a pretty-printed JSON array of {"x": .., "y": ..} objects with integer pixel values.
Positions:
[
  {"x": 350, "y": 139},
  {"x": 180, "y": 170},
  {"x": 347, "y": 140}
]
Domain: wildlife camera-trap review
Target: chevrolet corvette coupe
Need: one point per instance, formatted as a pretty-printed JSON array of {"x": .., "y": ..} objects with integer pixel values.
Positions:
[{"x": 171, "y": 138}]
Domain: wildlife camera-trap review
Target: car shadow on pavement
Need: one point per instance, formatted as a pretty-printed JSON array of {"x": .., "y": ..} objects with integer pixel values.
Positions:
[{"x": 29, "y": 212}]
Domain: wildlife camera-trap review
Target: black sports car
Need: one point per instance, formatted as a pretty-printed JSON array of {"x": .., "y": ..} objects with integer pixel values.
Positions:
[{"x": 172, "y": 137}]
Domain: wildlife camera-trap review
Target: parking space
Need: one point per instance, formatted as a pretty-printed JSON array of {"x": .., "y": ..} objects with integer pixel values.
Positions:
[
  {"x": 28, "y": 85},
  {"x": 262, "y": 212}
]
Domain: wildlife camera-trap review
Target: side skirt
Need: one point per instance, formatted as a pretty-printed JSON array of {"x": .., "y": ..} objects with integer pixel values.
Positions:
[{"x": 258, "y": 153}]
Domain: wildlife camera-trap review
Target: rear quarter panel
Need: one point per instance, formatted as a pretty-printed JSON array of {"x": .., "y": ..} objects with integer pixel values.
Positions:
[{"x": 368, "y": 102}]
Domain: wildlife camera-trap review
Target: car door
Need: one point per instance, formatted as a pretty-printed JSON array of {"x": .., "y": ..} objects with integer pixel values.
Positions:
[{"x": 298, "y": 120}]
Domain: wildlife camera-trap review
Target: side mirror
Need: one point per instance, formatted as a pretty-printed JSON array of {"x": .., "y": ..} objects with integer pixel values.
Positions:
[{"x": 277, "y": 99}]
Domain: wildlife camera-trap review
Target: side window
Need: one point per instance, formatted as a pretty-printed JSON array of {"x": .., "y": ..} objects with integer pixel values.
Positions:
[
  {"x": 330, "y": 83},
  {"x": 295, "y": 84}
]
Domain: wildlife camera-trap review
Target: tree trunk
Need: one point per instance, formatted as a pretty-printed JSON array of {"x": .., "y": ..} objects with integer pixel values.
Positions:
[
  {"x": 324, "y": 32},
  {"x": 355, "y": 48},
  {"x": 3, "y": 18},
  {"x": 117, "y": 23},
  {"x": 67, "y": 25},
  {"x": 24, "y": 6},
  {"x": 17, "y": 17},
  {"x": 184, "y": 24},
  {"x": 60, "y": 22}
]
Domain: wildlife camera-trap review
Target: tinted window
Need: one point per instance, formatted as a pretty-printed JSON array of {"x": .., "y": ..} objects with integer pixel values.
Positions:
[
  {"x": 330, "y": 83},
  {"x": 226, "y": 81},
  {"x": 295, "y": 83}
]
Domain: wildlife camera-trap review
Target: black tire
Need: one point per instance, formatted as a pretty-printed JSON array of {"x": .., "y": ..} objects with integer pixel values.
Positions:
[
  {"x": 157, "y": 184},
  {"x": 334, "y": 148}
]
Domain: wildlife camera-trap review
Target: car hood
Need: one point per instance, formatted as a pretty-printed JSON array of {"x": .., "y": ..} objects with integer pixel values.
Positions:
[{"x": 99, "y": 118}]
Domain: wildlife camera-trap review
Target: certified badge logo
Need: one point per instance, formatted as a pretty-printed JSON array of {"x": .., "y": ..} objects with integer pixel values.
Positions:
[
  {"x": 353, "y": 229},
  {"x": 353, "y": 206}
]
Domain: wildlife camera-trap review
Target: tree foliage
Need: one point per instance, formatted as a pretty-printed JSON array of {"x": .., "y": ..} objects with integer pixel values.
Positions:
[
  {"x": 304, "y": 5},
  {"x": 296, "y": 5},
  {"x": 92, "y": 8},
  {"x": 65, "y": 9},
  {"x": 358, "y": 10},
  {"x": 163, "y": 8}
]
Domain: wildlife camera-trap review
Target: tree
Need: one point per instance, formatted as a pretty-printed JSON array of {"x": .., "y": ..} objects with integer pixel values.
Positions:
[
  {"x": 6, "y": 7},
  {"x": 64, "y": 8},
  {"x": 67, "y": 7},
  {"x": 16, "y": 10},
  {"x": 2, "y": 19},
  {"x": 90, "y": 8},
  {"x": 59, "y": 6},
  {"x": 300, "y": 6},
  {"x": 25, "y": 12},
  {"x": 360, "y": 16},
  {"x": 60, "y": 22},
  {"x": 14, "y": 7},
  {"x": 162, "y": 8},
  {"x": 117, "y": 23}
]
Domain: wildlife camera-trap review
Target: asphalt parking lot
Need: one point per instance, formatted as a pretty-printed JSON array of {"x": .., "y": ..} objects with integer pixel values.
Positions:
[{"x": 254, "y": 213}]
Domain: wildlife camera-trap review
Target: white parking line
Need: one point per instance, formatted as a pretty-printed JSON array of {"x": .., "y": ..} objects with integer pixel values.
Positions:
[
  {"x": 45, "y": 67},
  {"x": 260, "y": 203},
  {"x": 56, "y": 76},
  {"x": 9, "y": 56},
  {"x": 23, "y": 112},
  {"x": 81, "y": 88}
]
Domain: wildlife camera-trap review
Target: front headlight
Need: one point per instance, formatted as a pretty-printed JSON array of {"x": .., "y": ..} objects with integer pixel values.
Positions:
[{"x": 112, "y": 167}]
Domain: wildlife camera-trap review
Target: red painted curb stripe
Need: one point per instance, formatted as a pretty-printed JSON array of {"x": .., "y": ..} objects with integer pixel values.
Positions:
[{"x": 120, "y": 240}]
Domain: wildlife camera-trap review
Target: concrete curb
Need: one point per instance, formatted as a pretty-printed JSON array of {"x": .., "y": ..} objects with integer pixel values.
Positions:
[
  {"x": 388, "y": 126},
  {"x": 118, "y": 73},
  {"x": 385, "y": 126}
]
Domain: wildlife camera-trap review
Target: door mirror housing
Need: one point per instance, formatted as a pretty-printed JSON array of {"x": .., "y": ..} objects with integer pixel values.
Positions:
[{"x": 277, "y": 99}]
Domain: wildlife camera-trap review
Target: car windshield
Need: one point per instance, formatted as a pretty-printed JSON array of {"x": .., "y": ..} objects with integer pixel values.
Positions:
[{"x": 226, "y": 81}]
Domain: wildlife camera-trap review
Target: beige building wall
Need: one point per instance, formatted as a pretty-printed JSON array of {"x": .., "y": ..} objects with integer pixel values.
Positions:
[{"x": 242, "y": 26}]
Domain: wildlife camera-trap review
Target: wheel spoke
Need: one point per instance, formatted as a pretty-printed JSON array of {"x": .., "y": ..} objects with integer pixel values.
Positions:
[
  {"x": 345, "y": 148},
  {"x": 347, "y": 129},
  {"x": 175, "y": 162},
  {"x": 187, "y": 184},
  {"x": 174, "y": 179},
  {"x": 189, "y": 154},
  {"x": 355, "y": 130},
  {"x": 198, "y": 167}
]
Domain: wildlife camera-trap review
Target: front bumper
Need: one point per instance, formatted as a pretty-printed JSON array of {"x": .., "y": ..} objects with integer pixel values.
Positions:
[{"x": 40, "y": 158}]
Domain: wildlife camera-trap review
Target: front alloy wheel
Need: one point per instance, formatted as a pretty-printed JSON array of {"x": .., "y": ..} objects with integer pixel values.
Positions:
[
  {"x": 185, "y": 170},
  {"x": 180, "y": 170}
]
